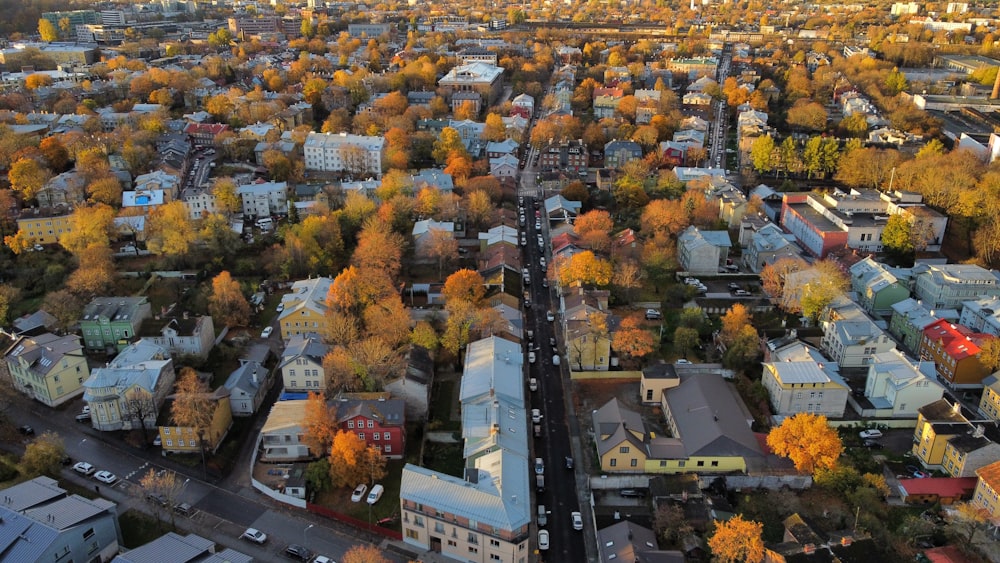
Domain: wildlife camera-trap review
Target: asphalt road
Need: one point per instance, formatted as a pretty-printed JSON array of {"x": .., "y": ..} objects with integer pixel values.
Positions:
[{"x": 560, "y": 495}]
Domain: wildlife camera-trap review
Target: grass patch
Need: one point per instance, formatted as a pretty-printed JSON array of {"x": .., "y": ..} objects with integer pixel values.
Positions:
[
  {"x": 445, "y": 458},
  {"x": 440, "y": 418},
  {"x": 339, "y": 500},
  {"x": 139, "y": 529}
]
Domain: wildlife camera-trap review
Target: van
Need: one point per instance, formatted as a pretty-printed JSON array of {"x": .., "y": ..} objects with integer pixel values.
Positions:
[
  {"x": 540, "y": 482},
  {"x": 543, "y": 518},
  {"x": 264, "y": 224}
]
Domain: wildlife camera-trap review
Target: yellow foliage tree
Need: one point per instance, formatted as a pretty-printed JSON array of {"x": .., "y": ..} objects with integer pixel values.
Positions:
[
  {"x": 352, "y": 461},
  {"x": 27, "y": 176},
  {"x": 737, "y": 541},
  {"x": 585, "y": 267},
  {"x": 227, "y": 302},
  {"x": 170, "y": 230},
  {"x": 808, "y": 441},
  {"x": 90, "y": 226},
  {"x": 733, "y": 321}
]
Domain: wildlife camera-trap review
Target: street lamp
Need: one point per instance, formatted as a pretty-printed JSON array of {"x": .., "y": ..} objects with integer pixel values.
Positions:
[{"x": 304, "y": 534}]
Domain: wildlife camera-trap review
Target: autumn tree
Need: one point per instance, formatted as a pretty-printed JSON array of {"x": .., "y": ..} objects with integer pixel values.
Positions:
[
  {"x": 448, "y": 142},
  {"x": 170, "y": 231},
  {"x": 382, "y": 320},
  {"x": 494, "y": 129},
  {"x": 585, "y": 267},
  {"x": 441, "y": 246},
  {"x": 364, "y": 553},
  {"x": 352, "y": 461},
  {"x": 632, "y": 339},
  {"x": 47, "y": 31},
  {"x": 90, "y": 226},
  {"x": 379, "y": 247},
  {"x": 594, "y": 228},
  {"x": 106, "y": 190},
  {"x": 897, "y": 239},
  {"x": 9, "y": 295},
  {"x": 95, "y": 274},
  {"x": 479, "y": 207},
  {"x": 227, "y": 199},
  {"x": 772, "y": 277},
  {"x": 965, "y": 518},
  {"x": 466, "y": 285},
  {"x": 193, "y": 406},
  {"x": 627, "y": 277},
  {"x": 807, "y": 115},
  {"x": 161, "y": 485},
  {"x": 762, "y": 154},
  {"x": 27, "y": 176},
  {"x": 737, "y": 541},
  {"x": 320, "y": 426},
  {"x": 55, "y": 153},
  {"x": 43, "y": 456},
  {"x": 827, "y": 282},
  {"x": 735, "y": 318},
  {"x": 807, "y": 440},
  {"x": 65, "y": 306},
  {"x": 467, "y": 322},
  {"x": 355, "y": 289},
  {"x": 744, "y": 349},
  {"x": 227, "y": 302},
  {"x": 665, "y": 217}
]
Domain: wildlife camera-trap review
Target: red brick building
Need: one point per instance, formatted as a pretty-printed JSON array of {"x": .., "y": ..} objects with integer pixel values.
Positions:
[{"x": 379, "y": 422}]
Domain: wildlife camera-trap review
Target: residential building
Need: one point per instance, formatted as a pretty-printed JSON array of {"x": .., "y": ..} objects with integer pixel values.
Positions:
[
  {"x": 897, "y": 387},
  {"x": 621, "y": 437},
  {"x": 182, "y": 336},
  {"x": 424, "y": 233},
  {"x": 877, "y": 287},
  {"x": 955, "y": 351},
  {"x": 301, "y": 364},
  {"x": 43, "y": 522},
  {"x": 801, "y": 543},
  {"x": 48, "y": 368},
  {"x": 378, "y": 422},
  {"x": 127, "y": 393},
  {"x": 504, "y": 166},
  {"x": 588, "y": 347},
  {"x": 627, "y": 541},
  {"x": 703, "y": 252},
  {"x": 304, "y": 308},
  {"x": 64, "y": 190},
  {"x": 249, "y": 383},
  {"x": 606, "y": 101},
  {"x": 497, "y": 149},
  {"x": 523, "y": 105},
  {"x": 767, "y": 245},
  {"x": 567, "y": 156},
  {"x": 982, "y": 315},
  {"x": 850, "y": 337},
  {"x": 805, "y": 386},
  {"x": 42, "y": 227},
  {"x": 191, "y": 548},
  {"x": 909, "y": 319},
  {"x": 938, "y": 424},
  {"x": 188, "y": 439},
  {"x": 281, "y": 436},
  {"x": 372, "y": 30},
  {"x": 263, "y": 199},
  {"x": 356, "y": 155},
  {"x": 949, "y": 286},
  {"x": 558, "y": 208},
  {"x": 936, "y": 490},
  {"x": 111, "y": 323},
  {"x": 989, "y": 402},
  {"x": 484, "y": 78},
  {"x": 205, "y": 133},
  {"x": 617, "y": 153},
  {"x": 693, "y": 68},
  {"x": 413, "y": 385},
  {"x": 987, "y": 493}
]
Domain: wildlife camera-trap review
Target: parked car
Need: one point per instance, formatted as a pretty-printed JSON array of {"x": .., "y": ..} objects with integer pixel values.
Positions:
[
  {"x": 105, "y": 477},
  {"x": 359, "y": 493},
  {"x": 870, "y": 433},
  {"x": 569, "y": 462},
  {"x": 552, "y": 341},
  {"x": 533, "y": 384},
  {"x": 577, "y": 520},
  {"x": 157, "y": 498},
  {"x": 742, "y": 293},
  {"x": 83, "y": 417},
  {"x": 376, "y": 494},
  {"x": 26, "y": 430},
  {"x": 296, "y": 551},
  {"x": 281, "y": 307},
  {"x": 549, "y": 316},
  {"x": 84, "y": 468},
  {"x": 254, "y": 535},
  {"x": 543, "y": 539},
  {"x": 539, "y": 466},
  {"x": 631, "y": 493},
  {"x": 323, "y": 559},
  {"x": 536, "y": 416},
  {"x": 158, "y": 441},
  {"x": 266, "y": 333},
  {"x": 531, "y": 357},
  {"x": 183, "y": 508},
  {"x": 555, "y": 359},
  {"x": 872, "y": 444},
  {"x": 653, "y": 314},
  {"x": 733, "y": 286}
]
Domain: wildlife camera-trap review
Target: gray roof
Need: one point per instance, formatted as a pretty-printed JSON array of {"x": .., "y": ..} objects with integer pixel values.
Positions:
[
  {"x": 629, "y": 542},
  {"x": 493, "y": 367},
  {"x": 113, "y": 308},
  {"x": 244, "y": 378},
  {"x": 695, "y": 237},
  {"x": 497, "y": 495},
  {"x": 492, "y": 425},
  {"x": 174, "y": 548},
  {"x": 139, "y": 364},
  {"x": 711, "y": 418},
  {"x": 618, "y": 424},
  {"x": 388, "y": 412},
  {"x": 31, "y": 493},
  {"x": 300, "y": 346},
  {"x": 44, "y": 352}
]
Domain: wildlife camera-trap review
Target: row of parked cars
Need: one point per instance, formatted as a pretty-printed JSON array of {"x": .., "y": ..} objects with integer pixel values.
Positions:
[{"x": 292, "y": 551}]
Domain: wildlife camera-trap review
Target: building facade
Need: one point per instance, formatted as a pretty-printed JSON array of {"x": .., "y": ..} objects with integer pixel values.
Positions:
[
  {"x": 356, "y": 155},
  {"x": 48, "y": 368},
  {"x": 110, "y": 323}
]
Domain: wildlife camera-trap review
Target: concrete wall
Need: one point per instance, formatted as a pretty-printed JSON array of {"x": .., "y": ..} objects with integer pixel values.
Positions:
[
  {"x": 770, "y": 482},
  {"x": 621, "y": 375}
]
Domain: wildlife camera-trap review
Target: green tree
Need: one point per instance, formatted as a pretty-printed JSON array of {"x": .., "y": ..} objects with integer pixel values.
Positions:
[
  {"x": 221, "y": 38},
  {"x": 761, "y": 153},
  {"x": 685, "y": 339},
  {"x": 895, "y": 82},
  {"x": 449, "y": 141},
  {"x": 43, "y": 455},
  {"x": 897, "y": 239}
]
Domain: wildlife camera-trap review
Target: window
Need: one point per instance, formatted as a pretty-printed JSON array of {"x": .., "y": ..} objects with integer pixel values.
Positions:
[
  {"x": 494, "y": 543},
  {"x": 701, "y": 464},
  {"x": 452, "y": 543},
  {"x": 385, "y": 435},
  {"x": 438, "y": 527},
  {"x": 371, "y": 424},
  {"x": 473, "y": 549},
  {"x": 88, "y": 534},
  {"x": 649, "y": 394},
  {"x": 494, "y": 556},
  {"x": 473, "y": 539},
  {"x": 634, "y": 463},
  {"x": 294, "y": 384},
  {"x": 375, "y": 436},
  {"x": 715, "y": 464},
  {"x": 412, "y": 534},
  {"x": 681, "y": 463},
  {"x": 614, "y": 462},
  {"x": 623, "y": 450},
  {"x": 170, "y": 443},
  {"x": 350, "y": 424},
  {"x": 387, "y": 448},
  {"x": 291, "y": 372},
  {"x": 361, "y": 435}
]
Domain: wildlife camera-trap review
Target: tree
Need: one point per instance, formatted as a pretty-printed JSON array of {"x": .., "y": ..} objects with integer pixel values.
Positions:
[
  {"x": 96, "y": 273},
  {"x": 685, "y": 339},
  {"x": 827, "y": 283},
  {"x": 47, "y": 31},
  {"x": 772, "y": 277},
  {"x": 379, "y": 248},
  {"x": 808, "y": 115},
  {"x": 424, "y": 335},
  {"x": 450, "y": 141},
  {"x": 193, "y": 406},
  {"x": 106, "y": 190},
  {"x": 28, "y": 177},
  {"x": 90, "y": 226},
  {"x": 743, "y": 351},
  {"x": 584, "y": 267},
  {"x": 227, "y": 303},
  {"x": 594, "y": 228},
  {"x": 364, "y": 553},
  {"x": 442, "y": 246},
  {"x": 494, "y": 129},
  {"x": 737, "y": 541},
  {"x": 897, "y": 239},
  {"x": 64, "y": 306},
  {"x": 170, "y": 231},
  {"x": 352, "y": 461},
  {"x": 465, "y": 285},
  {"x": 480, "y": 209},
  {"x": 761, "y": 154},
  {"x": 43, "y": 456},
  {"x": 628, "y": 276},
  {"x": 666, "y": 217},
  {"x": 161, "y": 486},
  {"x": 632, "y": 339},
  {"x": 9, "y": 295},
  {"x": 964, "y": 519},
  {"x": 355, "y": 289},
  {"x": 55, "y": 153},
  {"x": 227, "y": 199},
  {"x": 320, "y": 426},
  {"x": 808, "y": 441},
  {"x": 735, "y": 319}
]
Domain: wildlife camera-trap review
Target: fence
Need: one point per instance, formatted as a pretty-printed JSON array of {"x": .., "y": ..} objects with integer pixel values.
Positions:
[
  {"x": 607, "y": 482},
  {"x": 770, "y": 482},
  {"x": 351, "y": 521},
  {"x": 626, "y": 375}
]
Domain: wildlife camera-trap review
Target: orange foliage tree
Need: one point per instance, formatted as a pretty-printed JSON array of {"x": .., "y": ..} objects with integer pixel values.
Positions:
[
  {"x": 808, "y": 441},
  {"x": 737, "y": 541},
  {"x": 352, "y": 461},
  {"x": 632, "y": 339}
]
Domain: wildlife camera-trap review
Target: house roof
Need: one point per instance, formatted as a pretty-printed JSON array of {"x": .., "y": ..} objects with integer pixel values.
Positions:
[
  {"x": 618, "y": 424},
  {"x": 248, "y": 378},
  {"x": 307, "y": 347},
  {"x": 942, "y": 486},
  {"x": 710, "y": 417},
  {"x": 140, "y": 364},
  {"x": 306, "y": 294},
  {"x": 285, "y": 415},
  {"x": 388, "y": 412},
  {"x": 42, "y": 353},
  {"x": 491, "y": 425},
  {"x": 113, "y": 308},
  {"x": 958, "y": 342},
  {"x": 427, "y": 225},
  {"x": 990, "y": 475},
  {"x": 801, "y": 373},
  {"x": 629, "y": 542},
  {"x": 694, "y": 237},
  {"x": 493, "y": 366},
  {"x": 32, "y": 493},
  {"x": 495, "y": 492}
]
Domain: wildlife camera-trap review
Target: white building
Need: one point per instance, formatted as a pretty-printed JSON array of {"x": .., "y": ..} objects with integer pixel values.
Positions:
[
  {"x": 355, "y": 154},
  {"x": 850, "y": 337},
  {"x": 805, "y": 386},
  {"x": 264, "y": 199},
  {"x": 897, "y": 386}
]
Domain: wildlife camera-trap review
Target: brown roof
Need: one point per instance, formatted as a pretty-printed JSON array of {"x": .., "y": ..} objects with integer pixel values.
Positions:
[{"x": 990, "y": 475}]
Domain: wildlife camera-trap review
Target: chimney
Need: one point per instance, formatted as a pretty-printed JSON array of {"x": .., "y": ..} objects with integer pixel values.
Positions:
[
  {"x": 808, "y": 548},
  {"x": 996, "y": 88},
  {"x": 978, "y": 432},
  {"x": 846, "y": 541},
  {"x": 256, "y": 380}
]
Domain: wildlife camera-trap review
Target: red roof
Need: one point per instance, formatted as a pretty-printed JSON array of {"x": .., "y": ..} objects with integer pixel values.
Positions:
[
  {"x": 205, "y": 128},
  {"x": 946, "y": 554},
  {"x": 959, "y": 342},
  {"x": 947, "y": 487}
]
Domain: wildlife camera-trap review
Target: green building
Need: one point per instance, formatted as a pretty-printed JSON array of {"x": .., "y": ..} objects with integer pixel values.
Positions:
[
  {"x": 111, "y": 323},
  {"x": 75, "y": 17}
]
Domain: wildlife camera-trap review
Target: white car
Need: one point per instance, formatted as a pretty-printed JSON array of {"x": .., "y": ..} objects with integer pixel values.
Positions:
[
  {"x": 870, "y": 434},
  {"x": 536, "y": 416},
  {"x": 254, "y": 535},
  {"x": 543, "y": 539},
  {"x": 376, "y": 494},
  {"x": 105, "y": 477},
  {"x": 577, "y": 520},
  {"x": 359, "y": 493},
  {"x": 549, "y": 316},
  {"x": 84, "y": 468},
  {"x": 533, "y": 384},
  {"x": 531, "y": 357},
  {"x": 281, "y": 307},
  {"x": 266, "y": 333}
]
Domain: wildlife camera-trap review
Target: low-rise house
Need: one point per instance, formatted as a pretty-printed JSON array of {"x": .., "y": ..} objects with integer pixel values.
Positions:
[
  {"x": 65, "y": 190},
  {"x": 948, "y": 286},
  {"x": 936, "y": 490},
  {"x": 127, "y": 393},
  {"x": 176, "y": 438},
  {"x": 48, "y": 368},
  {"x": 377, "y": 422},
  {"x": 909, "y": 319},
  {"x": 192, "y": 548},
  {"x": 982, "y": 315},
  {"x": 523, "y": 105},
  {"x": 805, "y": 386},
  {"x": 413, "y": 385},
  {"x": 767, "y": 245},
  {"x": 301, "y": 364},
  {"x": 606, "y": 101},
  {"x": 897, "y": 386},
  {"x": 949, "y": 439},
  {"x": 989, "y": 402},
  {"x": 496, "y": 149},
  {"x": 850, "y": 337},
  {"x": 703, "y": 252},
  {"x": 433, "y": 178},
  {"x": 955, "y": 351},
  {"x": 987, "y": 493},
  {"x": 248, "y": 384},
  {"x": 802, "y": 543},
  {"x": 619, "y": 152},
  {"x": 565, "y": 156},
  {"x": 264, "y": 199},
  {"x": 281, "y": 435},
  {"x": 304, "y": 308},
  {"x": 589, "y": 327},
  {"x": 505, "y": 166},
  {"x": 877, "y": 287},
  {"x": 42, "y": 522},
  {"x": 111, "y": 323},
  {"x": 423, "y": 235},
  {"x": 558, "y": 208},
  {"x": 182, "y": 336},
  {"x": 45, "y": 226},
  {"x": 627, "y": 541}
]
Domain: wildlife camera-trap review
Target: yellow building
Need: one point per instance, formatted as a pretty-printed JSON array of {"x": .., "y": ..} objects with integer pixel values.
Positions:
[
  {"x": 44, "y": 230},
  {"x": 620, "y": 435},
  {"x": 989, "y": 403},
  {"x": 48, "y": 368},
  {"x": 588, "y": 328},
  {"x": 184, "y": 439},
  {"x": 304, "y": 308},
  {"x": 987, "y": 494},
  {"x": 937, "y": 423}
]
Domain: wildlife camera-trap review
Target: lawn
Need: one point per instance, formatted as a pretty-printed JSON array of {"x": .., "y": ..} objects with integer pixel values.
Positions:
[
  {"x": 445, "y": 458},
  {"x": 339, "y": 500},
  {"x": 139, "y": 529},
  {"x": 440, "y": 418}
]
